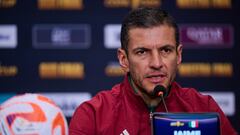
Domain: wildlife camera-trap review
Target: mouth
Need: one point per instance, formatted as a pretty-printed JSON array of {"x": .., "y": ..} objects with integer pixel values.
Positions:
[{"x": 156, "y": 78}]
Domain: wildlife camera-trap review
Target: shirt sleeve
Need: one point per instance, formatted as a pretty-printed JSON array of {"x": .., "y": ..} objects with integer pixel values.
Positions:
[
  {"x": 225, "y": 125},
  {"x": 82, "y": 121}
]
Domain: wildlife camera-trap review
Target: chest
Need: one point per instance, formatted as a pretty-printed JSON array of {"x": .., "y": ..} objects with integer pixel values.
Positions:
[{"x": 125, "y": 121}]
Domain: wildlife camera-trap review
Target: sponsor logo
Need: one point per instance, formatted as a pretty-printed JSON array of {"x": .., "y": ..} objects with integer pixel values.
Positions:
[
  {"x": 8, "y": 71},
  {"x": 61, "y": 36},
  {"x": 187, "y": 132},
  {"x": 204, "y": 3},
  {"x": 7, "y": 3},
  {"x": 63, "y": 70},
  {"x": 60, "y": 4},
  {"x": 112, "y": 36},
  {"x": 8, "y": 36},
  {"x": 222, "y": 69},
  {"x": 113, "y": 69},
  {"x": 193, "y": 124},
  {"x": 177, "y": 124},
  {"x": 205, "y": 70},
  {"x": 204, "y": 36},
  {"x": 68, "y": 102},
  {"x": 131, "y": 3},
  {"x": 226, "y": 101}
]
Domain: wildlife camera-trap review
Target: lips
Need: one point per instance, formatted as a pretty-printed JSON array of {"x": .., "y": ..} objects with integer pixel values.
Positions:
[{"x": 156, "y": 78}]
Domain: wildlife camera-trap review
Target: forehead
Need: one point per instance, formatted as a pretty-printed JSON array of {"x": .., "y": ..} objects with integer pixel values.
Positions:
[{"x": 158, "y": 35}]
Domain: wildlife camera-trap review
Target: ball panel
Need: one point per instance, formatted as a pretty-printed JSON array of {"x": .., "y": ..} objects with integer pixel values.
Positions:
[{"x": 30, "y": 114}]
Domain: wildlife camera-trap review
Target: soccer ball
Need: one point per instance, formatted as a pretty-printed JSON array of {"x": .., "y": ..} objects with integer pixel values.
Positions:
[{"x": 31, "y": 114}]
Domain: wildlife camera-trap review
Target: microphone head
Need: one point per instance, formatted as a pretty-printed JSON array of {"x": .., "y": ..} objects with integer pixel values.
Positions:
[{"x": 159, "y": 90}]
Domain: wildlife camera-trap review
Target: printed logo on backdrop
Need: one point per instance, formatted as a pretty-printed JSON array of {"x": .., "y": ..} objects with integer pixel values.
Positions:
[
  {"x": 61, "y": 70},
  {"x": 204, "y": 3},
  {"x": 60, "y": 4},
  {"x": 202, "y": 69},
  {"x": 8, "y": 36},
  {"x": 226, "y": 101},
  {"x": 131, "y": 3},
  {"x": 7, "y": 3},
  {"x": 68, "y": 102},
  {"x": 8, "y": 70},
  {"x": 206, "y": 36},
  {"x": 113, "y": 69},
  {"x": 61, "y": 36},
  {"x": 112, "y": 36}
]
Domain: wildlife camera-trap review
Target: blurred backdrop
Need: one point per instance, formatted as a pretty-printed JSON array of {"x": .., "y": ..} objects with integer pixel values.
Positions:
[{"x": 66, "y": 49}]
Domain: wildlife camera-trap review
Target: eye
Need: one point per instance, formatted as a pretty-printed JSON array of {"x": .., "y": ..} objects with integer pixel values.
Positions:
[
  {"x": 140, "y": 52},
  {"x": 166, "y": 51}
]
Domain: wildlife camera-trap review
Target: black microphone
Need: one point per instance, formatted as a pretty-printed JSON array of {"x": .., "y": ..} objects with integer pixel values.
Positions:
[{"x": 160, "y": 91}]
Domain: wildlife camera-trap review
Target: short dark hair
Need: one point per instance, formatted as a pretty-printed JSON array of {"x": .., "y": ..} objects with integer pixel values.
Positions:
[{"x": 146, "y": 18}]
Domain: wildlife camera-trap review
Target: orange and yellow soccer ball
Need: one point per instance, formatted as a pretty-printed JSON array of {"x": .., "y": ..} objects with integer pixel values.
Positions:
[{"x": 31, "y": 114}]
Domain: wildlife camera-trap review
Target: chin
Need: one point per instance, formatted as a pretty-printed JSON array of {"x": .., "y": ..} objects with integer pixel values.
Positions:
[{"x": 149, "y": 92}]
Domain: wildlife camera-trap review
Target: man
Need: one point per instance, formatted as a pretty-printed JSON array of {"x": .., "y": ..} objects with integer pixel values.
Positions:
[{"x": 149, "y": 55}]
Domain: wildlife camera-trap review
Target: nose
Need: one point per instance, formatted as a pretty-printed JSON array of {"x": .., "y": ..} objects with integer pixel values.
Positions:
[{"x": 156, "y": 61}]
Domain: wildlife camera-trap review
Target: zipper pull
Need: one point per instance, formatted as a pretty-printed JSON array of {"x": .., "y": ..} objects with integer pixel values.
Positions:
[
  {"x": 151, "y": 121},
  {"x": 151, "y": 114},
  {"x": 151, "y": 109}
]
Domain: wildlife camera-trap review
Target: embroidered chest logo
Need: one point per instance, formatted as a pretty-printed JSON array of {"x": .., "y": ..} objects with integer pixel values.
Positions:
[{"x": 125, "y": 132}]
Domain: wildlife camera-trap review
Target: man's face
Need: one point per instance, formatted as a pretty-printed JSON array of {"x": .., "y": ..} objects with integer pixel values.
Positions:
[{"x": 152, "y": 57}]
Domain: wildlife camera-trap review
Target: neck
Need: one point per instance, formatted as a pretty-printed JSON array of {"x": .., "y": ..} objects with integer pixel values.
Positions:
[{"x": 149, "y": 100}]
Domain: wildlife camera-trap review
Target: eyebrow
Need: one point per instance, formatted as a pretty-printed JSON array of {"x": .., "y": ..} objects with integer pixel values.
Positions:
[
  {"x": 140, "y": 48},
  {"x": 164, "y": 46},
  {"x": 168, "y": 46}
]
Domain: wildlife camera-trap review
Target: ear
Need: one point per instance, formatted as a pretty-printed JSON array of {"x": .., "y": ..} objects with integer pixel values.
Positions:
[
  {"x": 123, "y": 60},
  {"x": 179, "y": 54}
]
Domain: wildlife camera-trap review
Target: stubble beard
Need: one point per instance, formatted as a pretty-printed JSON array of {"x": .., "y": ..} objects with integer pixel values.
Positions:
[{"x": 138, "y": 84}]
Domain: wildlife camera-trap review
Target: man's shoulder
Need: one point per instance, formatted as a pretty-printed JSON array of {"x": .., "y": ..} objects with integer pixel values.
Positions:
[
  {"x": 105, "y": 97},
  {"x": 189, "y": 92},
  {"x": 106, "y": 94},
  {"x": 192, "y": 96}
]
